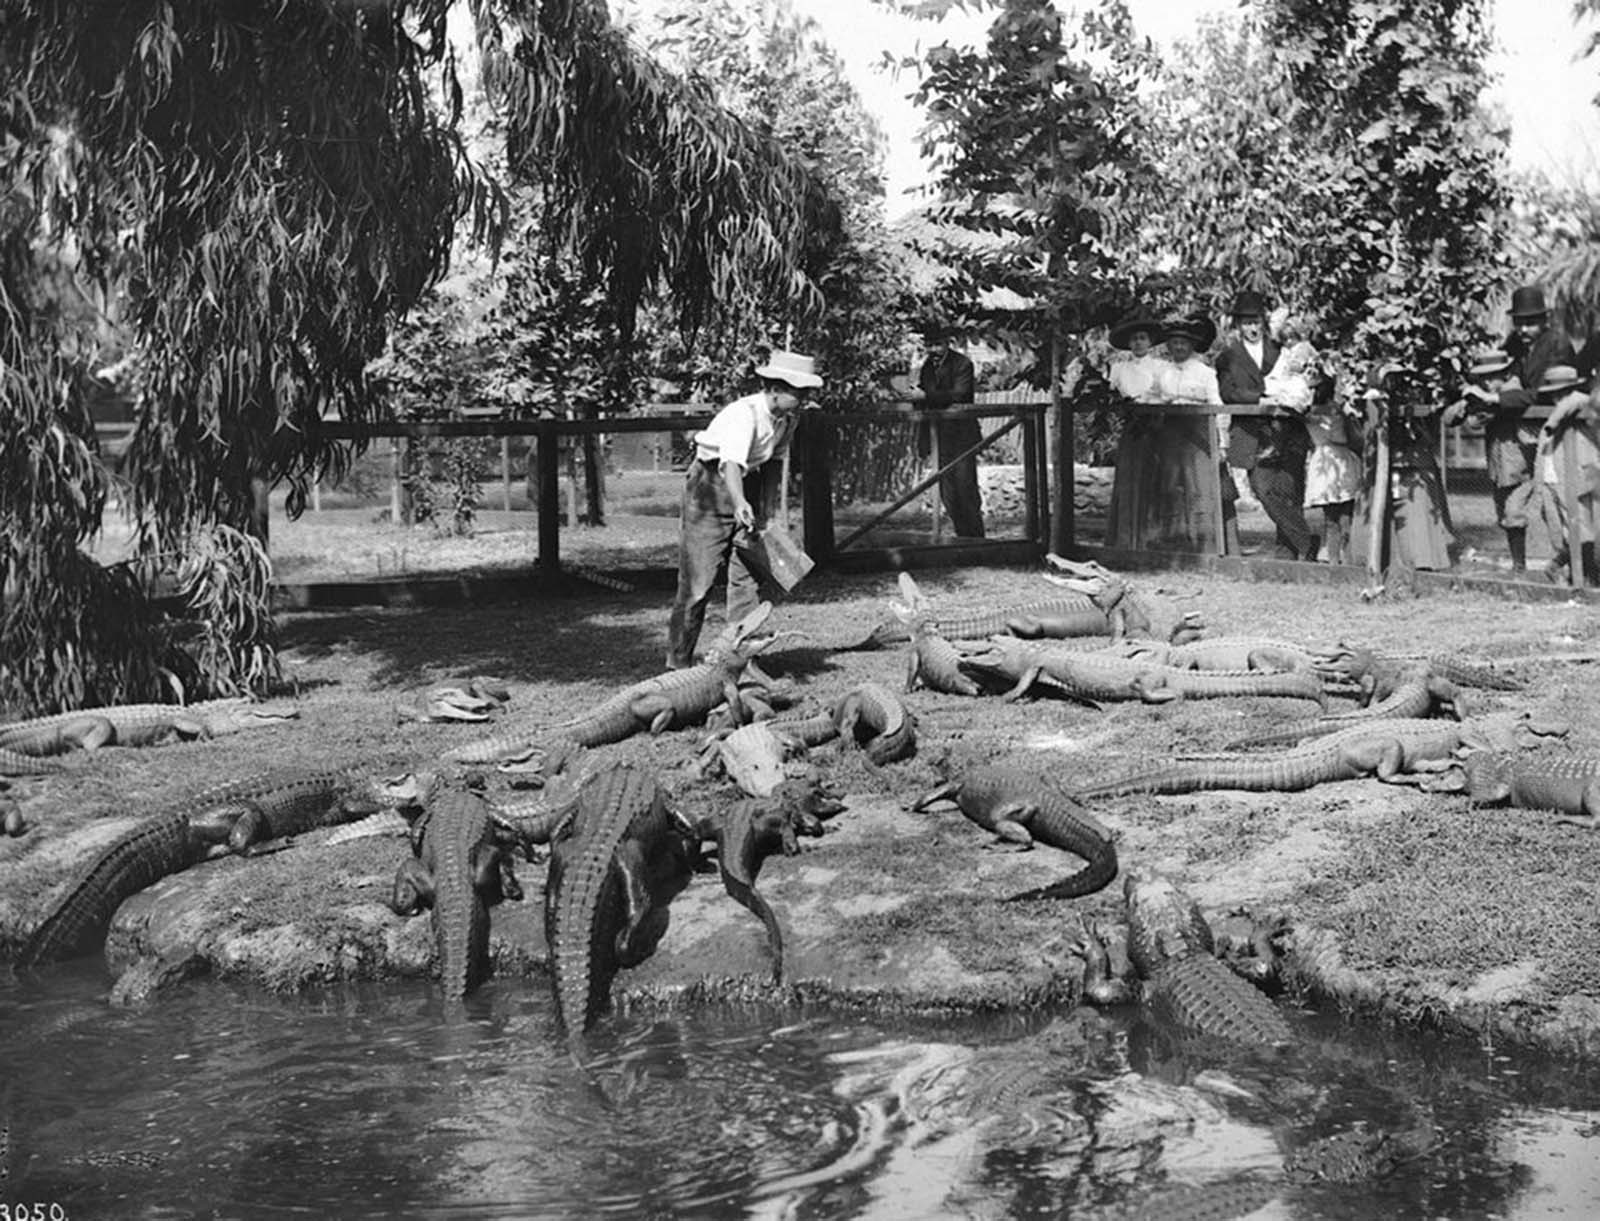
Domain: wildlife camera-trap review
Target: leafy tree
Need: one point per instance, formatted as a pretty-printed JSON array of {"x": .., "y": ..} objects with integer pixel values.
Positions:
[
  {"x": 263, "y": 191},
  {"x": 1404, "y": 178}
]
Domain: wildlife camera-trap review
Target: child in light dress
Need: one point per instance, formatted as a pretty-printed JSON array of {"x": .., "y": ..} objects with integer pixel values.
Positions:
[{"x": 1333, "y": 472}]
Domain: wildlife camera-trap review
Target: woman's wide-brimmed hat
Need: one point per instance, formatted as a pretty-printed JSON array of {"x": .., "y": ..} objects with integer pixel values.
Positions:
[
  {"x": 1558, "y": 379},
  {"x": 1528, "y": 302},
  {"x": 1490, "y": 362},
  {"x": 798, "y": 370},
  {"x": 1123, "y": 332},
  {"x": 1196, "y": 328},
  {"x": 1248, "y": 304}
]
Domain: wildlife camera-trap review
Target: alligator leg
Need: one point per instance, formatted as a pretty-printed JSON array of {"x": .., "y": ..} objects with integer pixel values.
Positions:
[
  {"x": 413, "y": 888},
  {"x": 743, "y": 842},
  {"x": 1010, "y": 822},
  {"x": 1589, "y": 815},
  {"x": 1024, "y": 684},
  {"x": 645, "y": 923}
]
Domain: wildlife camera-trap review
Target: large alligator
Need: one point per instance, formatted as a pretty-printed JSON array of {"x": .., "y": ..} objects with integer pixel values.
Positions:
[
  {"x": 1392, "y": 751},
  {"x": 667, "y": 701},
  {"x": 1188, "y": 994},
  {"x": 1420, "y": 693},
  {"x": 461, "y": 867},
  {"x": 234, "y": 815},
  {"x": 1569, "y": 786},
  {"x": 1179, "y": 978},
  {"x": 139, "y": 725},
  {"x": 621, "y": 859},
  {"x": 1023, "y": 808},
  {"x": 1025, "y": 667}
]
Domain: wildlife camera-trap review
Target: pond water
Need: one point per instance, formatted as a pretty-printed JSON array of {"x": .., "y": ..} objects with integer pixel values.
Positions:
[{"x": 381, "y": 1101}]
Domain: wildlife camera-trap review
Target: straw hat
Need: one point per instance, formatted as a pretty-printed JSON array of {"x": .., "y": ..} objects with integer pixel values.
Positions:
[
  {"x": 798, "y": 370},
  {"x": 1558, "y": 380},
  {"x": 1490, "y": 362}
]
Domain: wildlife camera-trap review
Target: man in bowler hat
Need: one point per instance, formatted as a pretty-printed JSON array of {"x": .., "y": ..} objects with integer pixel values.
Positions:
[
  {"x": 945, "y": 380},
  {"x": 1273, "y": 451},
  {"x": 1510, "y": 441}
]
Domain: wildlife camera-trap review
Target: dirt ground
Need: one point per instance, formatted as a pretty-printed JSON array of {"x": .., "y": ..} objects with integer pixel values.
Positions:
[{"x": 1406, "y": 902}]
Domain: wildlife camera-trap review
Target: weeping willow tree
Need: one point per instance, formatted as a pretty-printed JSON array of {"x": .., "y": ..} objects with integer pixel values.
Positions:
[{"x": 261, "y": 189}]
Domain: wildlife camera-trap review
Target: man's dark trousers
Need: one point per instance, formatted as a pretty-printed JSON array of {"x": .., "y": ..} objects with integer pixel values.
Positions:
[
  {"x": 958, "y": 487},
  {"x": 1281, "y": 489}
]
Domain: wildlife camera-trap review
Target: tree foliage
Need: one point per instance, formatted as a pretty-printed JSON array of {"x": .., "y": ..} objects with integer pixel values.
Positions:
[
  {"x": 260, "y": 191},
  {"x": 1405, "y": 179},
  {"x": 1034, "y": 143}
]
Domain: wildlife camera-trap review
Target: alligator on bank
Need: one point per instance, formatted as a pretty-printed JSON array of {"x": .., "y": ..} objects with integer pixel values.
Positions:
[
  {"x": 16, "y": 763},
  {"x": 1568, "y": 786},
  {"x": 1391, "y": 751},
  {"x": 1221, "y": 653},
  {"x": 139, "y": 725},
  {"x": 933, "y": 661},
  {"x": 1022, "y": 808},
  {"x": 1099, "y": 603},
  {"x": 1374, "y": 676},
  {"x": 667, "y": 701},
  {"x": 235, "y": 815},
  {"x": 620, "y": 860},
  {"x": 1420, "y": 693},
  {"x": 461, "y": 867},
  {"x": 873, "y": 717},
  {"x": 1025, "y": 667}
]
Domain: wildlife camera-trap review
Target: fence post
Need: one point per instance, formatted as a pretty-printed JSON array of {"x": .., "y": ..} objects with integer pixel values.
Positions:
[
  {"x": 394, "y": 481},
  {"x": 505, "y": 472},
  {"x": 1030, "y": 479},
  {"x": 1572, "y": 506},
  {"x": 1064, "y": 521},
  {"x": 937, "y": 491},
  {"x": 816, "y": 488},
  {"x": 549, "y": 499}
]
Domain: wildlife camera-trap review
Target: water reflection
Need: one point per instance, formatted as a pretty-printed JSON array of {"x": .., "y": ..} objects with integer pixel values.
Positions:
[{"x": 371, "y": 1101}]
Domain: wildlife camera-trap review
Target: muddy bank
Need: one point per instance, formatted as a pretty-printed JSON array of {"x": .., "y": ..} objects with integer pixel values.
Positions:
[{"x": 1410, "y": 904}]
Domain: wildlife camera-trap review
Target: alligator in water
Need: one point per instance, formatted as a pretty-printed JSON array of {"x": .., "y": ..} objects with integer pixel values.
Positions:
[
  {"x": 1022, "y": 808},
  {"x": 1024, "y": 667},
  {"x": 1192, "y": 998},
  {"x": 667, "y": 701},
  {"x": 1391, "y": 751},
  {"x": 620, "y": 860},
  {"x": 235, "y": 814},
  {"x": 461, "y": 867},
  {"x": 139, "y": 725}
]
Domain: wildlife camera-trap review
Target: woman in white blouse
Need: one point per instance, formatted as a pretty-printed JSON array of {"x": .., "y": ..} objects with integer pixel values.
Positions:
[{"x": 1187, "y": 474}]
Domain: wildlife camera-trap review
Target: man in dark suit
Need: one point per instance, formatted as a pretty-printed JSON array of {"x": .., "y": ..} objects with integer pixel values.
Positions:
[
  {"x": 1273, "y": 451},
  {"x": 946, "y": 380},
  {"x": 1510, "y": 441}
]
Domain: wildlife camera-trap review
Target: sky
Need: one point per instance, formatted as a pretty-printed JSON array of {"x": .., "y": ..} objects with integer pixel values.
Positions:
[{"x": 1546, "y": 96}]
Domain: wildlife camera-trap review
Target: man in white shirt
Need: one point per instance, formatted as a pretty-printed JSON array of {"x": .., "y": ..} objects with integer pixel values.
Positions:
[{"x": 731, "y": 485}]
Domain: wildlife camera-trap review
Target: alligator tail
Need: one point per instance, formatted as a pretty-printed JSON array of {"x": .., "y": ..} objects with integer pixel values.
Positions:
[
  {"x": 138, "y": 859},
  {"x": 1077, "y": 832}
]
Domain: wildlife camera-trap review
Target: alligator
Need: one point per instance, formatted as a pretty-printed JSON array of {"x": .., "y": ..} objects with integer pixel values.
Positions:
[
  {"x": 1127, "y": 614},
  {"x": 139, "y": 725},
  {"x": 671, "y": 700},
  {"x": 1375, "y": 676},
  {"x": 1024, "y": 666},
  {"x": 1392, "y": 751},
  {"x": 933, "y": 661},
  {"x": 1022, "y": 808},
  {"x": 231, "y": 816},
  {"x": 1420, "y": 693},
  {"x": 460, "y": 868},
  {"x": 1186, "y": 992},
  {"x": 473, "y": 700},
  {"x": 874, "y": 718},
  {"x": 1567, "y": 785},
  {"x": 755, "y": 829},
  {"x": 1180, "y": 982},
  {"x": 618, "y": 862},
  {"x": 1221, "y": 653}
]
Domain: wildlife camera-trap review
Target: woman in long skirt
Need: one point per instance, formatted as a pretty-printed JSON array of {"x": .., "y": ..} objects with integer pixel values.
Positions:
[
  {"x": 1419, "y": 533},
  {"x": 1133, "y": 378}
]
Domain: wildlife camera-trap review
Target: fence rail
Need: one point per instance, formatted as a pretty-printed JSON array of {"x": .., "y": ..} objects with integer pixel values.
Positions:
[{"x": 1029, "y": 414}]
